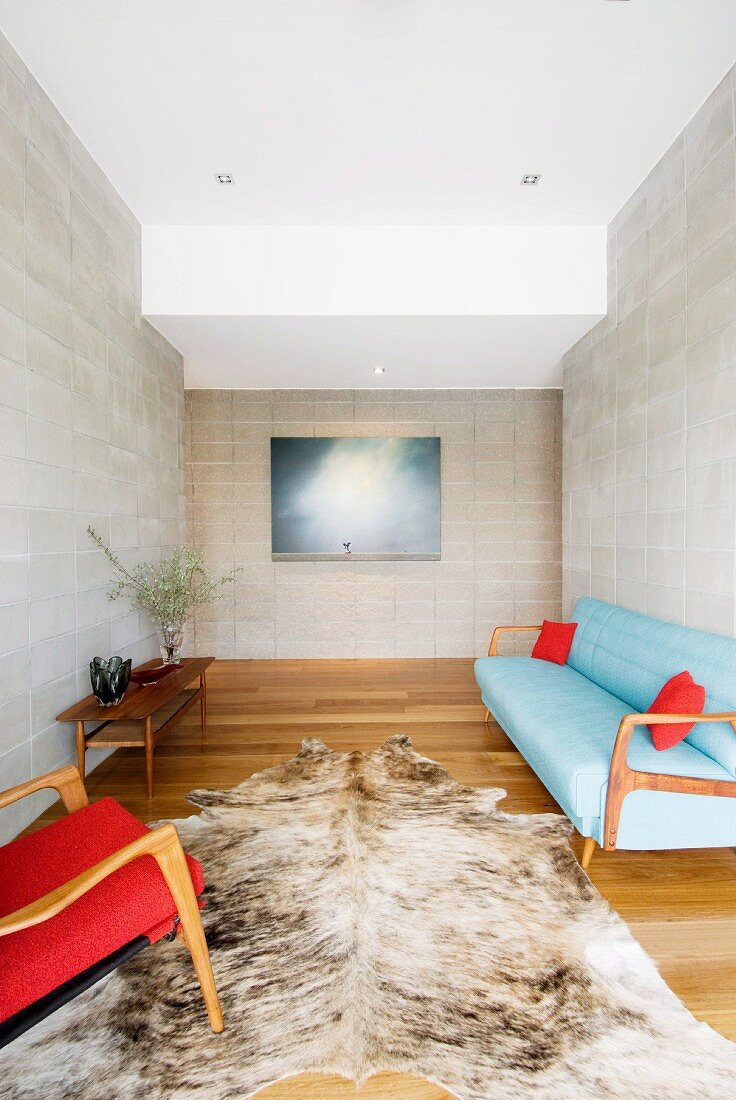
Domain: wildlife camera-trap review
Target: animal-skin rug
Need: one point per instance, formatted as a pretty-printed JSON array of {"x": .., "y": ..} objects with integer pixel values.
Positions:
[{"x": 366, "y": 912}]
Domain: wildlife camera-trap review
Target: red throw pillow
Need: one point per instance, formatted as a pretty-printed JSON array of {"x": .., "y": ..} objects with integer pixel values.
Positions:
[
  {"x": 680, "y": 695},
  {"x": 554, "y": 642}
]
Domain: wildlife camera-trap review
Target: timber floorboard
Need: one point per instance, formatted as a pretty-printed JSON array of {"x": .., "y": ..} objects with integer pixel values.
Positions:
[{"x": 681, "y": 906}]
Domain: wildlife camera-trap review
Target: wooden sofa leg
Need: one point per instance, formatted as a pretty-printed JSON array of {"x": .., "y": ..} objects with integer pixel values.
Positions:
[
  {"x": 487, "y": 717},
  {"x": 173, "y": 864},
  {"x": 588, "y": 849}
]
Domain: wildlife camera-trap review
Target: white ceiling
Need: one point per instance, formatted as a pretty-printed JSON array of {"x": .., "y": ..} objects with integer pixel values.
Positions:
[
  {"x": 318, "y": 270},
  {"x": 382, "y": 113},
  {"x": 375, "y": 111},
  {"x": 341, "y": 352}
]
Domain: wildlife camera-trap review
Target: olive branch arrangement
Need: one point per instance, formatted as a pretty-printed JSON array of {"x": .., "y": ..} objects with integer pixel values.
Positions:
[{"x": 167, "y": 590}]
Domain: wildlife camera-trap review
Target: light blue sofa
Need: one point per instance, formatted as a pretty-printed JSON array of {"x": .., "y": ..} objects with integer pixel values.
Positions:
[{"x": 564, "y": 720}]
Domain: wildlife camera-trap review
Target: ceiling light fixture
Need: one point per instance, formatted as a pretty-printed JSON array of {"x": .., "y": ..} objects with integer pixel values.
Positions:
[
  {"x": 379, "y": 370},
  {"x": 530, "y": 180},
  {"x": 224, "y": 177}
]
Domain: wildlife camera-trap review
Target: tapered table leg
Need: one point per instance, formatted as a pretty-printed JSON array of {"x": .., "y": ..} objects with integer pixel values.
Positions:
[
  {"x": 81, "y": 750},
  {"x": 149, "y": 757},
  {"x": 203, "y": 704}
]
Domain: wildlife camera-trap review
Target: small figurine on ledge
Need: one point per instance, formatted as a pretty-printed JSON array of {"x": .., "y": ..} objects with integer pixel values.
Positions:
[{"x": 347, "y": 548}]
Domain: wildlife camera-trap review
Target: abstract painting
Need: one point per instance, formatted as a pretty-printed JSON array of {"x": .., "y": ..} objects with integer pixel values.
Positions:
[{"x": 355, "y": 498}]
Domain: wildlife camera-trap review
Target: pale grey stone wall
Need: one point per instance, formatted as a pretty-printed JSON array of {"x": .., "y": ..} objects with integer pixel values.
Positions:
[
  {"x": 91, "y": 408},
  {"x": 501, "y": 536},
  {"x": 650, "y": 395}
]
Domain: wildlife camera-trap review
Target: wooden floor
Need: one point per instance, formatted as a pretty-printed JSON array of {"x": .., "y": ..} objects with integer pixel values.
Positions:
[{"x": 681, "y": 906}]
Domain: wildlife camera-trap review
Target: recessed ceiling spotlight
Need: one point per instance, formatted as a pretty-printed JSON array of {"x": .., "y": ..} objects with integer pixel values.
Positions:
[
  {"x": 379, "y": 370},
  {"x": 530, "y": 180},
  {"x": 224, "y": 177}
]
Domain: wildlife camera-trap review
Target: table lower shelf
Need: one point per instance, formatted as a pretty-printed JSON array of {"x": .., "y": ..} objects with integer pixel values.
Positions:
[{"x": 131, "y": 734}]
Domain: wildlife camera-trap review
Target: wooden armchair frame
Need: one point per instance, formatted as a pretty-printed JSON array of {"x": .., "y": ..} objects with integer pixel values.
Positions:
[
  {"x": 67, "y": 781},
  {"x": 622, "y": 779},
  {"x": 162, "y": 843}
]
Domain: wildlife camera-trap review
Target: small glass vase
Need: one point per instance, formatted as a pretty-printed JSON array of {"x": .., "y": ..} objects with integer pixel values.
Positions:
[
  {"x": 110, "y": 678},
  {"x": 172, "y": 643}
]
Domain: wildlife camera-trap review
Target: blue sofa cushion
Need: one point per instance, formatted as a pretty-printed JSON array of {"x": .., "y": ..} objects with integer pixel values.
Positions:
[
  {"x": 632, "y": 656},
  {"x": 565, "y": 727},
  {"x": 653, "y": 820}
]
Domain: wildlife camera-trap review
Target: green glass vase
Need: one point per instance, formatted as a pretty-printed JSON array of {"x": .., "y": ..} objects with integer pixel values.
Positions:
[{"x": 110, "y": 679}]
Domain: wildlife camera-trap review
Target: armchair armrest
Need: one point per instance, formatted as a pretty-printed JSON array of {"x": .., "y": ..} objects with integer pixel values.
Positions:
[
  {"x": 622, "y": 779},
  {"x": 67, "y": 781},
  {"x": 164, "y": 845},
  {"x": 153, "y": 843},
  {"x": 493, "y": 647}
]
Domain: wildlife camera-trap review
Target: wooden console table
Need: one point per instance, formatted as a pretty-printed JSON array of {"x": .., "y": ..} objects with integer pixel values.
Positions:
[{"x": 143, "y": 715}]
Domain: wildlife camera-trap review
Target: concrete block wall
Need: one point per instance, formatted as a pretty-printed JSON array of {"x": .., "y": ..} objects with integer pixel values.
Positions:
[
  {"x": 649, "y": 456},
  {"x": 91, "y": 428},
  {"x": 501, "y": 525}
]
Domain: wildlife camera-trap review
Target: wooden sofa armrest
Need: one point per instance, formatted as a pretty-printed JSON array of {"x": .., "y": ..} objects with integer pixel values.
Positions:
[
  {"x": 622, "y": 779},
  {"x": 67, "y": 781},
  {"x": 164, "y": 845},
  {"x": 493, "y": 647}
]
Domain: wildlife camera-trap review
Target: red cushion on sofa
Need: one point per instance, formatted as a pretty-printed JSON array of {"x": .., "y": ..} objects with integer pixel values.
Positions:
[
  {"x": 680, "y": 695},
  {"x": 134, "y": 901},
  {"x": 554, "y": 642}
]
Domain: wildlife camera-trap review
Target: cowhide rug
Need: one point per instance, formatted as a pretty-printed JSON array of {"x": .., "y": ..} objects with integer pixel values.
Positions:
[{"x": 366, "y": 912}]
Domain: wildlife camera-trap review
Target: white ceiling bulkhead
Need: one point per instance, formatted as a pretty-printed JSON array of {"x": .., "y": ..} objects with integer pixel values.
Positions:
[{"x": 383, "y": 114}]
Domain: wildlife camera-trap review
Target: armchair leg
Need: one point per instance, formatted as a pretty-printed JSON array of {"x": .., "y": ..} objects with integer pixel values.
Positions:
[
  {"x": 588, "y": 849},
  {"x": 487, "y": 717},
  {"x": 174, "y": 868}
]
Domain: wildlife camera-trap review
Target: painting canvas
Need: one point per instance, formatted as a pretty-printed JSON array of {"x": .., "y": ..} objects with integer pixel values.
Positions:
[{"x": 357, "y": 498}]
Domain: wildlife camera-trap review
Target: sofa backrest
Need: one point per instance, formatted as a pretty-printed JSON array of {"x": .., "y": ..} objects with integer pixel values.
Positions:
[{"x": 632, "y": 656}]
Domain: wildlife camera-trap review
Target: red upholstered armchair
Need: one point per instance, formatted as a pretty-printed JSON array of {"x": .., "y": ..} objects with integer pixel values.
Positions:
[{"x": 84, "y": 894}]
